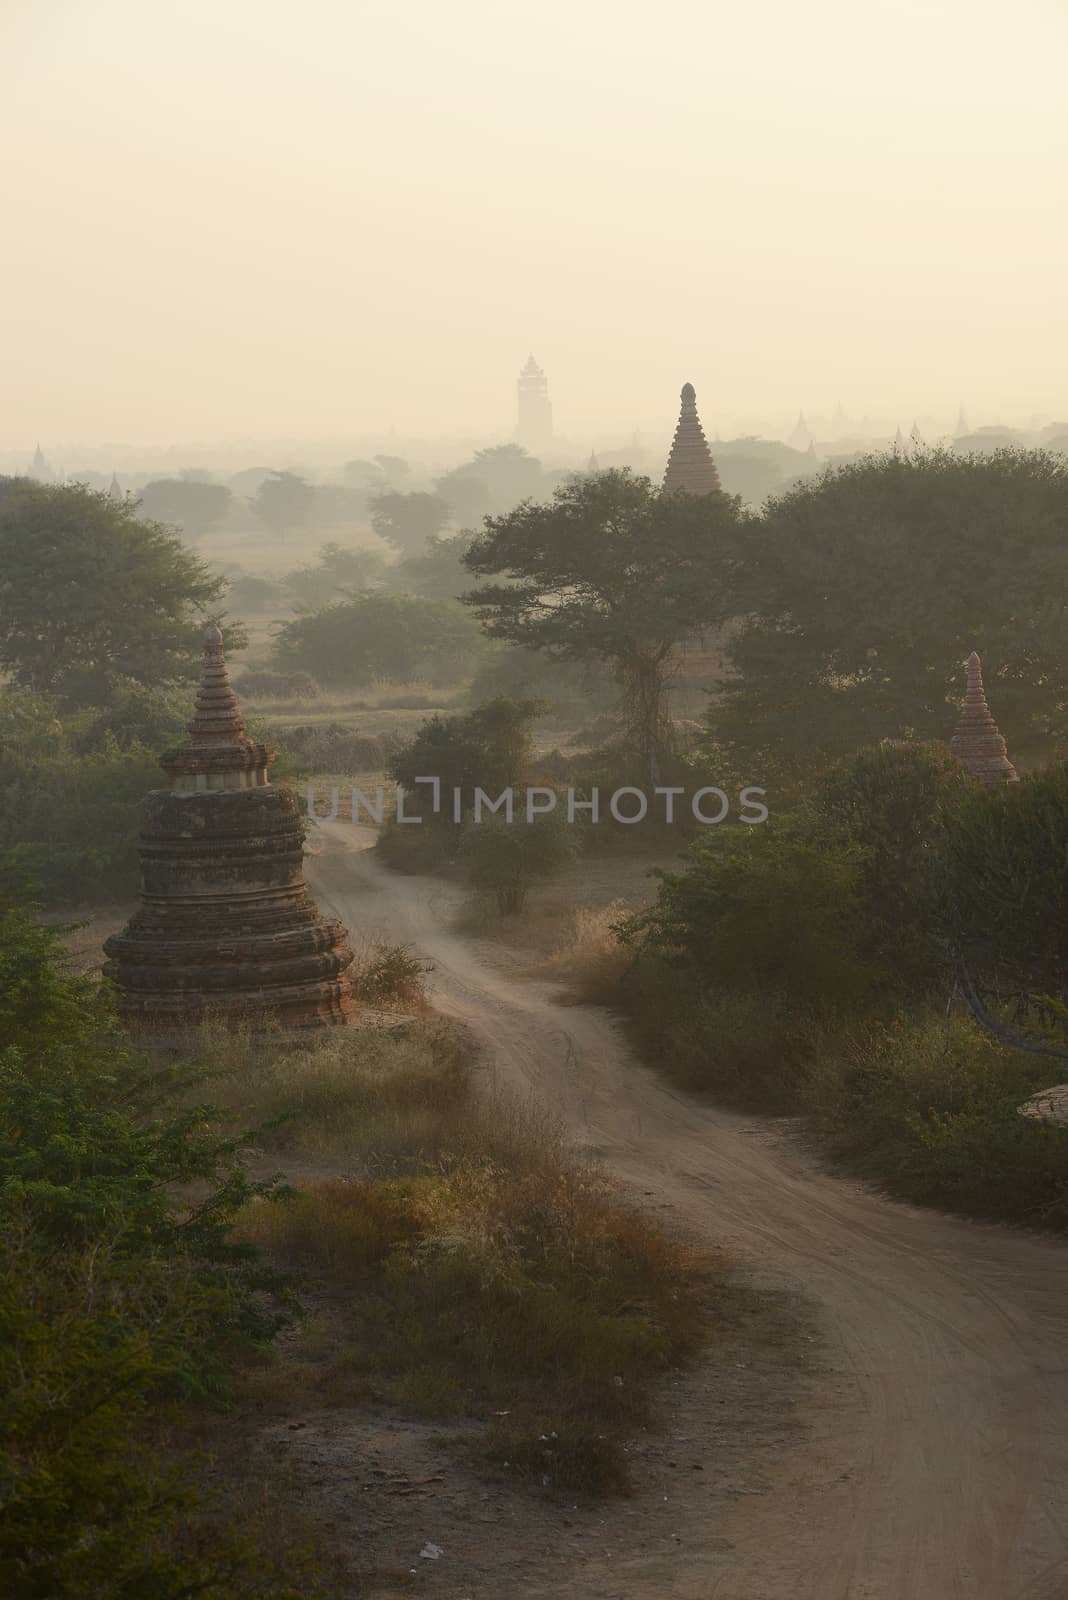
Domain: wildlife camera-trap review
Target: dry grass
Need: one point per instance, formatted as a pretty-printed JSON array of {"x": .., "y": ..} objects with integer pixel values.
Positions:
[
  {"x": 386, "y": 1099},
  {"x": 588, "y": 959},
  {"x": 524, "y": 1292},
  {"x": 470, "y": 1267}
]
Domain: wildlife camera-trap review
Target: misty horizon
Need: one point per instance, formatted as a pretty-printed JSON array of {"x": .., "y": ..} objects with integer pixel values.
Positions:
[{"x": 321, "y": 232}]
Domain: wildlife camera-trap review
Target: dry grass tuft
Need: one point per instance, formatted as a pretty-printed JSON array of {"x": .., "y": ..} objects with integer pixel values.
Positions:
[{"x": 589, "y": 960}]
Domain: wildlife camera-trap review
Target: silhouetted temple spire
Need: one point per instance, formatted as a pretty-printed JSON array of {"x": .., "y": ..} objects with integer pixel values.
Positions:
[
  {"x": 977, "y": 743},
  {"x": 690, "y": 465}
]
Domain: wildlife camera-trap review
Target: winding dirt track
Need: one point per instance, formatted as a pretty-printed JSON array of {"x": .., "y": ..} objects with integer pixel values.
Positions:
[{"x": 935, "y": 1459}]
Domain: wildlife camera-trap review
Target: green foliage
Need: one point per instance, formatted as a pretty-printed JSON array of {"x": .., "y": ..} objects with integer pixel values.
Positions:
[
  {"x": 92, "y": 597},
  {"x": 929, "y": 1104},
  {"x": 436, "y": 571},
  {"x": 489, "y": 748},
  {"x": 1004, "y": 882},
  {"x": 195, "y": 508},
  {"x": 890, "y": 801},
  {"x": 763, "y": 909},
  {"x": 868, "y": 586},
  {"x": 284, "y": 502},
  {"x": 408, "y": 520},
  {"x": 376, "y": 637},
  {"x": 114, "y": 1294},
  {"x": 507, "y": 858},
  {"x": 610, "y": 570},
  {"x": 339, "y": 573},
  {"x": 70, "y": 820}
]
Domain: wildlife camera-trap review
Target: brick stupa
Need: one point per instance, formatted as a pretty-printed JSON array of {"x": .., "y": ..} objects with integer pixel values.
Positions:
[
  {"x": 977, "y": 743},
  {"x": 226, "y": 927},
  {"x": 690, "y": 465}
]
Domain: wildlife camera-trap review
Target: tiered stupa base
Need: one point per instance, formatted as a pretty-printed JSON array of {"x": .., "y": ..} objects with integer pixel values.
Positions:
[{"x": 227, "y": 930}]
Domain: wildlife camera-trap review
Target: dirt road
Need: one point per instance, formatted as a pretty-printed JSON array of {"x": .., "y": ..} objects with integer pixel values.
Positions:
[{"x": 934, "y": 1459}]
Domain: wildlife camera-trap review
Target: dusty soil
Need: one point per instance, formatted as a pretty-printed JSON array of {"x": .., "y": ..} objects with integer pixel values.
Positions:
[{"x": 927, "y": 1456}]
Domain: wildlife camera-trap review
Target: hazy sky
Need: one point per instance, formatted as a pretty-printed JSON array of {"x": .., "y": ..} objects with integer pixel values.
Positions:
[{"x": 267, "y": 218}]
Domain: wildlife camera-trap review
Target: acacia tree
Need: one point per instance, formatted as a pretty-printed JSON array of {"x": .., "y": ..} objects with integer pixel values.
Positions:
[
  {"x": 284, "y": 502},
  {"x": 408, "y": 520},
  {"x": 869, "y": 586},
  {"x": 611, "y": 570},
  {"x": 195, "y": 507},
  {"x": 90, "y": 594}
]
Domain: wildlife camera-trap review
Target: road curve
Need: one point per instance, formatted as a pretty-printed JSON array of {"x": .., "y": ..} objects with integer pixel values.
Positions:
[{"x": 935, "y": 1461}]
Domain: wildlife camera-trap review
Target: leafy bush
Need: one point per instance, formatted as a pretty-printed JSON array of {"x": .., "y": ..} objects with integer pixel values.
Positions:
[
  {"x": 929, "y": 1105},
  {"x": 114, "y": 1295},
  {"x": 378, "y": 637},
  {"x": 506, "y": 858},
  {"x": 890, "y": 802},
  {"x": 763, "y": 909},
  {"x": 1004, "y": 885},
  {"x": 71, "y": 820}
]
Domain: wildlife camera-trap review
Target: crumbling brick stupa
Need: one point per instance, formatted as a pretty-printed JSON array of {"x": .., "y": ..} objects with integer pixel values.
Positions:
[
  {"x": 226, "y": 926},
  {"x": 978, "y": 743}
]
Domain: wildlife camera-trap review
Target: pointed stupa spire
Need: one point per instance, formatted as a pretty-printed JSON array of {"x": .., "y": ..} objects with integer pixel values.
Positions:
[
  {"x": 801, "y": 437},
  {"x": 977, "y": 743},
  {"x": 226, "y": 928},
  {"x": 962, "y": 422},
  {"x": 593, "y": 465},
  {"x": 690, "y": 466},
  {"x": 114, "y": 488},
  {"x": 916, "y": 436},
  {"x": 900, "y": 447},
  {"x": 218, "y": 753}
]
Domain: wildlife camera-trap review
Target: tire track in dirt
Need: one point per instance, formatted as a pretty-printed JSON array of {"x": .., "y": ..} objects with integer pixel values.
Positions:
[{"x": 936, "y": 1448}]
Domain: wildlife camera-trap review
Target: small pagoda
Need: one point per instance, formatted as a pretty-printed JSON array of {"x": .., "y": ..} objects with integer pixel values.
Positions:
[
  {"x": 226, "y": 928},
  {"x": 690, "y": 467},
  {"x": 978, "y": 744}
]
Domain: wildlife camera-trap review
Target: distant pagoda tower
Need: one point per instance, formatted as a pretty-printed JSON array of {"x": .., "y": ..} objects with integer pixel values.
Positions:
[
  {"x": 226, "y": 926},
  {"x": 962, "y": 422},
  {"x": 977, "y": 743},
  {"x": 593, "y": 465},
  {"x": 690, "y": 466},
  {"x": 534, "y": 428},
  {"x": 114, "y": 489},
  {"x": 801, "y": 437},
  {"x": 39, "y": 467},
  {"x": 916, "y": 438}
]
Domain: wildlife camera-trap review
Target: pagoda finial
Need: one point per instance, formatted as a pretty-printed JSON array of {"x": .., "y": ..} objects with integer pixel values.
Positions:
[
  {"x": 218, "y": 753},
  {"x": 978, "y": 744},
  {"x": 690, "y": 466}
]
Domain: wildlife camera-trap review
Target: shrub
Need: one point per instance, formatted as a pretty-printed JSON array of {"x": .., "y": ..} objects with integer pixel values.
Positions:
[
  {"x": 114, "y": 1295},
  {"x": 929, "y": 1106},
  {"x": 1004, "y": 886},
  {"x": 380, "y": 637},
  {"x": 506, "y": 858},
  {"x": 762, "y": 909},
  {"x": 890, "y": 801}
]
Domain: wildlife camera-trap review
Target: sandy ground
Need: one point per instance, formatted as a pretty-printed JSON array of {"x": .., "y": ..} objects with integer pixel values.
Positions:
[{"x": 932, "y": 1449}]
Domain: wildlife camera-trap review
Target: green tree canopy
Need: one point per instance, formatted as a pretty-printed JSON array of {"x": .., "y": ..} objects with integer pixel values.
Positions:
[
  {"x": 408, "y": 520},
  {"x": 195, "y": 507},
  {"x": 91, "y": 594},
  {"x": 394, "y": 638},
  {"x": 611, "y": 570},
  {"x": 284, "y": 502},
  {"x": 869, "y": 586}
]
